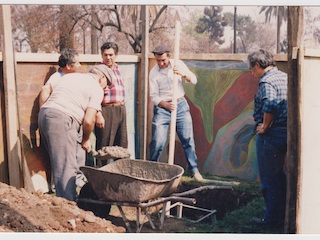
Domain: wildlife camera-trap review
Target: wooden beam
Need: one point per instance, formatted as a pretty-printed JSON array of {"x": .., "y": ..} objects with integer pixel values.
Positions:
[
  {"x": 295, "y": 40},
  {"x": 172, "y": 134},
  {"x": 13, "y": 145},
  {"x": 144, "y": 86}
]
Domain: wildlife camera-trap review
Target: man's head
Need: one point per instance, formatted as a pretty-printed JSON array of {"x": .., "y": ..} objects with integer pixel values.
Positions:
[
  {"x": 109, "y": 52},
  {"x": 103, "y": 73},
  {"x": 259, "y": 61},
  {"x": 69, "y": 60},
  {"x": 162, "y": 55}
]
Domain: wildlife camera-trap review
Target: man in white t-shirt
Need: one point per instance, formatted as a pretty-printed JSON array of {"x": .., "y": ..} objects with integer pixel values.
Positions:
[
  {"x": 73, "y": 103},
  {"x": 68, "y": 63}
]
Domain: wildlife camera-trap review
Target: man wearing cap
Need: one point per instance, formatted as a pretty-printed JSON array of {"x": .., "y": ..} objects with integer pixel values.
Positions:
[
  {"x": 114, "y": 132},
  {"x": 161, "y": 79},
  {"x": 72, "y": 104}
]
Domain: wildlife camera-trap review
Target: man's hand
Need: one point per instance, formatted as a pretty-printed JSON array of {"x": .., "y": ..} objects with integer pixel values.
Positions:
[
  {"x": 176, "y": 70},
  {"x": 100, "y": 121},
  {"x": 86, "y": 145},
  {"x": 261, "y": 129},
  {"x": 167, "y": 105}
]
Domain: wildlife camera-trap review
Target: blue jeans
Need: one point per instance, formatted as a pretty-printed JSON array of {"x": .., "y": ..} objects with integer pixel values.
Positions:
[
  {"x": 271, "y": 150},
  {"x": 160, "y": 124}
]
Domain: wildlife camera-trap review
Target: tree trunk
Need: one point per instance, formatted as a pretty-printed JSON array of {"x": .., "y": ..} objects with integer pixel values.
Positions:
[
  {"x": 66, "y": 28},
  {"x": 278, "y": 30},
  {"x": 94, "y": 31}
]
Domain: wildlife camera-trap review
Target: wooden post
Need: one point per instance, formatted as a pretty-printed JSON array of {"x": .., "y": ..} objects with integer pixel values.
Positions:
[
  {"x": 143, "y": 99},
  {"x": 13, "y": 145},
  {"x": 295, "y": 39},
  {"x": 174, "y": 96}
]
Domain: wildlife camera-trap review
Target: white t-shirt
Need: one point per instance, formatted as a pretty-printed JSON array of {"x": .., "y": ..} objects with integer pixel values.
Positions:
[
  {"x": 55, "y": 78},
  {"x": 74, "y": 93}
]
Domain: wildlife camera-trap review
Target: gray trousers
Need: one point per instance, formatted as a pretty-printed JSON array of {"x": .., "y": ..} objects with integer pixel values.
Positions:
[{"x": 60, "y": 134}]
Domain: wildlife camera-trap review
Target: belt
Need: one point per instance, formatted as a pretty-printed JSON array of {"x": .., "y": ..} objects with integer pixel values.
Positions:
[
  {"x": 114, "y": 104},
  {"x": 179, "y": 99}
]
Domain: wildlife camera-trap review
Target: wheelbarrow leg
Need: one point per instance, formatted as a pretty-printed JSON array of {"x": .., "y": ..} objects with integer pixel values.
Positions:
[
  {"x": 163, "y": 214},
  {"x": 146, "y": 214},
  {"x": 138, "y": 220},
  {"x": 125, "y": 219}
]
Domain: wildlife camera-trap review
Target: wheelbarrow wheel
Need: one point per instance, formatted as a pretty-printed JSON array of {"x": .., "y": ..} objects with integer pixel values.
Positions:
[{"x": 100, "y": 210}]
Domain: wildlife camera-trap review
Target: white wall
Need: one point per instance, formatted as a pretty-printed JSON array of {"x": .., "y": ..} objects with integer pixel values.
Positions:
[{"x": 308, "y": 208}]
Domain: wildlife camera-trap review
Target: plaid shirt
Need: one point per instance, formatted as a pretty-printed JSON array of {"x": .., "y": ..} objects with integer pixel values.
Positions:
[
  {"x": 272, "y": 97},
  {"x": 115, "y": 91}
]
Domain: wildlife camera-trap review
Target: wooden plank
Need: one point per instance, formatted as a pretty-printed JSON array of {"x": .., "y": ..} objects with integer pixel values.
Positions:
[
  {"x": 52, "y": 57},
  {"x": 295, "y": 39},
  {"x": 312, "y": 52},
  {"x": 172, "y": 134},
  {"x": 13, "y": 145},
  {"x": 144, "y": 86}
]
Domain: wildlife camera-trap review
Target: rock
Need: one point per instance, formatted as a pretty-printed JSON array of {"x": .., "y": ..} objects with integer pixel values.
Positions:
[{"x": 72, "y": 223}]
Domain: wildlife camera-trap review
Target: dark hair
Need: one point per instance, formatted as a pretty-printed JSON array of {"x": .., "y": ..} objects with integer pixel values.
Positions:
[
  {"x": 67, "y": 57},
  {"x": 109, "y": 45},
  {"x": 263, "y": 57}
]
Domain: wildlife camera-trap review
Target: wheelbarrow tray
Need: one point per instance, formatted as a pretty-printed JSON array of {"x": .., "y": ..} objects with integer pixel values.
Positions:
[{"x": 130, "y": 180}]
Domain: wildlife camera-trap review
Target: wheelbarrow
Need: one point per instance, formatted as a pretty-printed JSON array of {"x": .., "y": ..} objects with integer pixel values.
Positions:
[{"x": 135, "y": 183}]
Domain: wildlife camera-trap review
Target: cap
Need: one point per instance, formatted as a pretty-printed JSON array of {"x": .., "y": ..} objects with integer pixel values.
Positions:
[
  {"x": 161, "y": 49},
  {"x": 103, "y": 69}
]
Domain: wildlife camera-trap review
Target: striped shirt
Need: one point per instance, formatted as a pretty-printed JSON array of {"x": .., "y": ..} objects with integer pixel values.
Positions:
[
  {"x": 271, "y": 97},
  {"x": 115, "y": 91}
]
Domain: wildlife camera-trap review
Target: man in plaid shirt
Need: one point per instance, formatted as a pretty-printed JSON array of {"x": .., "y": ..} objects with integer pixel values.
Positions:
[
  {"x": 114, "y": 132},
  {"x": 270, "y": 115}
]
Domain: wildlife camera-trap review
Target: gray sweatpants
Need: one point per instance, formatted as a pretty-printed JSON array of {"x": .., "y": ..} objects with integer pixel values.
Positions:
[{"x": 60, "y": 133}]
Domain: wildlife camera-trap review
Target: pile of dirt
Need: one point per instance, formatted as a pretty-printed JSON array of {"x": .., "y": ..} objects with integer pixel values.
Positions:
[{"x": 21, "y": 211}]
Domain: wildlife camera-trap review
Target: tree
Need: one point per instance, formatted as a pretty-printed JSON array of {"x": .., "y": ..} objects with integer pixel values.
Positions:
[
  {"x": 312, "y": 27},
  {"x": 281, "y": 13},
  {"x": 246, "y": 30},
  {"x": 35, "y": 26},
  {"x": 123, "y": 19},
  {"x": 194, "y": 42},
  {"x": 214, "y": 23},
  {"x": 66, "y": 26},
  {"x": 49, "y": 28}
]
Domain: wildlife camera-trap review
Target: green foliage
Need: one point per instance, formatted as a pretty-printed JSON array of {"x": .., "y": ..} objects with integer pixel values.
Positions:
[
  {"x": 234, "y": 222},
  {"x": 212, "y": 22}
]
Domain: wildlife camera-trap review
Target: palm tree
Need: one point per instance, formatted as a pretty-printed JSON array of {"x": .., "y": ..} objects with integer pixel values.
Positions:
[{"x": 281, "y": 13}]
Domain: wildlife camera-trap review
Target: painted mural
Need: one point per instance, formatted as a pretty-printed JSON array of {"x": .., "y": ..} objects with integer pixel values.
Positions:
[{"x": 221, "y": 105}]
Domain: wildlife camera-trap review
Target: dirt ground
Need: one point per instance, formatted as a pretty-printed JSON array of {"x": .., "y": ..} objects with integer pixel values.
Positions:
[{"x": 37, "y": 212}]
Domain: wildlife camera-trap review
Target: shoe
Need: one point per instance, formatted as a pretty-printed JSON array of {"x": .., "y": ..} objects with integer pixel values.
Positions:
[{"x": 198, "y": 177}]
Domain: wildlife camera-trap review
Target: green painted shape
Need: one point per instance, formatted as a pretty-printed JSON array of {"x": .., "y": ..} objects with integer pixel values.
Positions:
[{"x": 211, "y": 86}]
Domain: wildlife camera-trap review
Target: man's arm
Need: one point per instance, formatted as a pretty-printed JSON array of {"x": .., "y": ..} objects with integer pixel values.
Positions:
[
  {"x": 44, "y": 94},
  {"x": 267, "y": 121},
  {"x": 87, "y": 126},
  {"x": 183, "y": 70}
]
